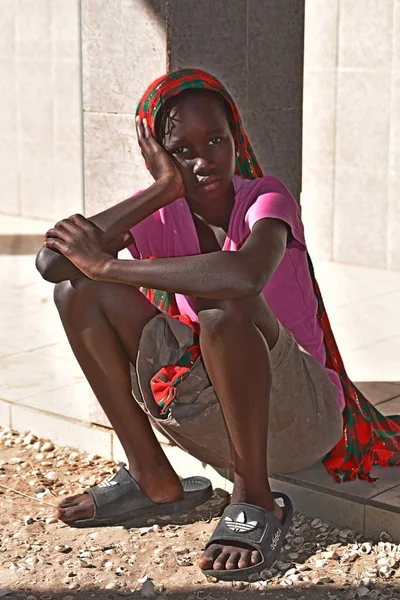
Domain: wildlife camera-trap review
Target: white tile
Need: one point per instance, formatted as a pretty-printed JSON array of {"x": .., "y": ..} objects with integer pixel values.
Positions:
[
  {"x": 317, "y": 210},
  {"x": 390, "y": 407},
  {"x": 365, "y": 33},
  {"x": 343, "y": 285},
  {"x": 114, "y": 168},
  {"x": 385, "y": 516},
  {"x": 8, "y": 31},
  {"x": 319, "y": 117},
  {"x": 320, "y": 38},
  {"x": 34, "y": 21},
  {"x": 8, "y": 106},
  {"x": 9, "y": 177},
  {"x": 68, "y": 180},
  {"x": 62, "y": 431},
  {"x": 66, "y": 28},
  {"x": 123, "y": 50},
  {"x": 377, "y": 362},
  {"x": 393, "y": 231},
  {"x": 364, "y": 324},
  {"x": 327, "y": 506},
  {"x": 31, "y": 373},
  {"x": 71, "y": 401},
  {"x": 11, "y": 224},
  {"x": 68, "y": 102},
  {"x": 396, "y": 35},
  {"x": 5, "y": 414},
  {"x": 37, "y": 169},
  {"x": 363, "y": 111},
  {"x": 360, "y": 217},
  {"x": 36, "y": 107}
]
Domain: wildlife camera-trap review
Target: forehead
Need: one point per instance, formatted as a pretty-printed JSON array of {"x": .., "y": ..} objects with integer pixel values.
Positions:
[{"x": 196, "y": 113}]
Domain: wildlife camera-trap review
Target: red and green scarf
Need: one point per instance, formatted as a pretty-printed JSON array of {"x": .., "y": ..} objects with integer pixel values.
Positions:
[{"x": 368, "y": 436}]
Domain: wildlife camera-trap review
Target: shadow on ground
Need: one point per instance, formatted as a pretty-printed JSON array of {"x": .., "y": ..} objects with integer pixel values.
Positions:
[{"x": 214, "y": 592}]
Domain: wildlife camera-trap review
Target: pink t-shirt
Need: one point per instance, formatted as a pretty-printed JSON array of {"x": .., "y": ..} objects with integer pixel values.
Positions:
[{"x": 170, "y": 232}]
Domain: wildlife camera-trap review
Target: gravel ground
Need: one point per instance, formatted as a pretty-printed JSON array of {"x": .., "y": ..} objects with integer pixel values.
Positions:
[{"x": 41, "y": 558}]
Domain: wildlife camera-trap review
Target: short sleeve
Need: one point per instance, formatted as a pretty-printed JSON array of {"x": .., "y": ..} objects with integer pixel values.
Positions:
[{"x": 276, "y": 205}]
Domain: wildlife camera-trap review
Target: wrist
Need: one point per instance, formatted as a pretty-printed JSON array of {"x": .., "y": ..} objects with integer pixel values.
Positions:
[
  {"x": 171, "y": 187},
  {"x": 103, "y": 269}
]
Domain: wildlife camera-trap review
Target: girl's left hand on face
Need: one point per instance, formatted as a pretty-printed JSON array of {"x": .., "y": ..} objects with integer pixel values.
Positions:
[{"x": 82, "y": 242}]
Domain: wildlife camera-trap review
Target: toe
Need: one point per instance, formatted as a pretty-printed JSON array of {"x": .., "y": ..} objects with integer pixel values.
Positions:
[
  {"x": 245, "y": 559},
  {"x": 233, "y": 561},
  {"x": 220, "y": 561},
  {"x": 207, "y": 560},
  {"x": 255, "y": 557}
]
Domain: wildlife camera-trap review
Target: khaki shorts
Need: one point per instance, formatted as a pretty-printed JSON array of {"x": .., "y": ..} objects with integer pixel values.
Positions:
[{"x": 305, "y": 420}]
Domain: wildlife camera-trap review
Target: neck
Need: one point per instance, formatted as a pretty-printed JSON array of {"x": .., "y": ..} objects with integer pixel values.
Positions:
[{"x": 215, "y": 213}]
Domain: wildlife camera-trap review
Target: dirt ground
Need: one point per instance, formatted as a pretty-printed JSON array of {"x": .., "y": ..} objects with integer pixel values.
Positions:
[{"x": 41, "y": 558}]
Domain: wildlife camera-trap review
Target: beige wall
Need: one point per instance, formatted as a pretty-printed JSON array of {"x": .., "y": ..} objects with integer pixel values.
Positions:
[
  {"x": 351, "y": 136},
  {"x": 40, "y": 108},
  {"x": 128, "y": 43}
]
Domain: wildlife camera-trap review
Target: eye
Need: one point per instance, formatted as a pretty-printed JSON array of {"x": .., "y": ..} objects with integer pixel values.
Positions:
[
  {"x": 180, "y": 150},
  {"x": 214, "y": 140}
]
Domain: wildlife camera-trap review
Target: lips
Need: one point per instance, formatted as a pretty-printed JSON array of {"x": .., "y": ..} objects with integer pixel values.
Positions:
[{"x": 208, "y": 182}]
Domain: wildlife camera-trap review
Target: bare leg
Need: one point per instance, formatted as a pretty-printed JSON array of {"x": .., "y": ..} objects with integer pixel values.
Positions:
[
  {"x": 236, "y": 338},
  {"x": 104, "y": 323}
]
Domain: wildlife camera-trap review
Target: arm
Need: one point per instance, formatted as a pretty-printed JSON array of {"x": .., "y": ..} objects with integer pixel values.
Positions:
[
  {"x": 220, "y": 275},
  {"x": 56, "y": 267},
  {"x": 118, "y": 219}
]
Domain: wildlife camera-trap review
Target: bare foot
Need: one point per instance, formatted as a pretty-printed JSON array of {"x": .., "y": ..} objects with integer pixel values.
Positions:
[
  {"x": 159, "y": 489},
  {"x": 219, "y": 557}
]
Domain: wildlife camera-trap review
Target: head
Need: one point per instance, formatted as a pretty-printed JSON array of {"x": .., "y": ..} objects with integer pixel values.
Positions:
[
  {"x": 194, "y": 117},
  {"x": 196, "y": 127}
]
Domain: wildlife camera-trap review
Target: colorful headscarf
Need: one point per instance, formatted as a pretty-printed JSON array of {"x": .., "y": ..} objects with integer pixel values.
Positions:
[{"x": 368, "y": 436}]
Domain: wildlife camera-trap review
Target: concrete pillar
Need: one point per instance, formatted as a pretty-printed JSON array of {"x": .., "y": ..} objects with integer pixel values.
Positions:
[{"x": 255, "y": 47}]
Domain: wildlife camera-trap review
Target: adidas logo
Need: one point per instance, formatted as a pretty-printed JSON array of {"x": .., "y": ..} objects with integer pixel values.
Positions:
[
  {"x": 275, "y": 539},
  {"x": 108, "y": 482},
  {"x": 240, "y": 525}
]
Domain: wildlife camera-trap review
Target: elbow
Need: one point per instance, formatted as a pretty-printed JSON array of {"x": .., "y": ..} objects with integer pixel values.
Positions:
[
  {"x": 43, "y": 266},
  {"x": 251, "y": 287}
]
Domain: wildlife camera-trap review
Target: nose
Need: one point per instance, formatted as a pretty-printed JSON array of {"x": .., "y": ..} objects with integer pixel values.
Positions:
[{"x": 202, "y": 166}]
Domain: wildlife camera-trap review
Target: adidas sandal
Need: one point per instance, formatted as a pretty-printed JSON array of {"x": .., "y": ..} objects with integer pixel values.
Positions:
[
  {"x": 119, "y": 501},
  {"x": 253, "y": 527}
]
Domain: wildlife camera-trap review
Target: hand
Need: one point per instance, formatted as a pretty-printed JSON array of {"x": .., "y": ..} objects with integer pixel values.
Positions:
[
  {"x": 120, "y": 242},
  {"x": 83, "y": 243},
  {"x": 161, "y": 165}
]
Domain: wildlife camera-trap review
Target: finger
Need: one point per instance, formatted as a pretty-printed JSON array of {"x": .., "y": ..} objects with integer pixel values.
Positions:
[
  {"x": 147, "y": 133},
  {"x": 57, "y": 244},
  {"x": 80, "y": 221},
  {"x": 60, "y": 232},
  {"x": 139, "y": 130}
]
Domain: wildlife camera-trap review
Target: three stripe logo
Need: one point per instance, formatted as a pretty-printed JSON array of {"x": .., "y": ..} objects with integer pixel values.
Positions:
[{"x": 240, "y": 525}]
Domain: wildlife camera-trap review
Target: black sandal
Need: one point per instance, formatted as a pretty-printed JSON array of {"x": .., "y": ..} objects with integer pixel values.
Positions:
[
  {"x": 118, "y": 500},
  {"x": 256, "y": 528}
]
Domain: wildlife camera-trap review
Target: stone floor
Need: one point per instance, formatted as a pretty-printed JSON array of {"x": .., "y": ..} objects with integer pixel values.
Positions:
[{"x": 42, "y": 389}]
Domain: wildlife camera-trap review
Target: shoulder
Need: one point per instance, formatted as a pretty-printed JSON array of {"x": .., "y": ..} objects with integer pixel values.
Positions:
[{"x": 251, "y": 189}]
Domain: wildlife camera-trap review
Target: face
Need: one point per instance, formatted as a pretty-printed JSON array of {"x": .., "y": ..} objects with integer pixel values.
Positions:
[{"x": 200, "y": 139}]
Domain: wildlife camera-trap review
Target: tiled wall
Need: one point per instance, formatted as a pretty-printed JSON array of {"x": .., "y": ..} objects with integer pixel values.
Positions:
[
  {"x": 41, "y": 170},
  {"x": 255, "y": 47},
  {"x": 351, "y": 147}
]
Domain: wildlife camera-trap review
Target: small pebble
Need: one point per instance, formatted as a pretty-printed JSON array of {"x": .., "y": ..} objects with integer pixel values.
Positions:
[
  {"x": 362, "y": 591},
  {"x": 47, "y": 447}
]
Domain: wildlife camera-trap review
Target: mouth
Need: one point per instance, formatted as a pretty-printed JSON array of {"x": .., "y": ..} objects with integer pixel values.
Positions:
[{"x": 208, "y": 183}]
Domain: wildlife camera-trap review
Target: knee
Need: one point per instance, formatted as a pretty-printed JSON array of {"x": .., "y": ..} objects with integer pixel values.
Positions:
[
  {"x": 216, "y": 321},
  {"x": 67, "y": 294}
]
